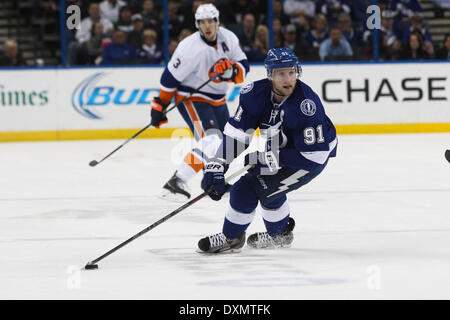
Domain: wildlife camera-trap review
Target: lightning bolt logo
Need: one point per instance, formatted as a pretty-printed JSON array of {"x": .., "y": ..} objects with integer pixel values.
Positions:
[{"x": 293, "y": 179}]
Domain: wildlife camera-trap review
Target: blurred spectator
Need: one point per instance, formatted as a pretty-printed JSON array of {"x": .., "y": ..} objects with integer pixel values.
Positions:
[
  {"x": 183, "y": 34},
  {"x": 175, "y": 24},
  {"x": 95, "y": 45},
  {"x": 48, "y": 10},
  {"x": 443, "y": 3},
  {"x": 414, "y": 48},
  {"x": 384, "y": 51},
  {"x": 48, "y": 4},
  {"x": 405, "y": 9},
  {"x": 358, "y": 10},
  {"x": 444, "y": 52},
  {"x": 302, "y": 24},
  {"x": 227, "y": 14},
  {"x": 11, "y": 57},
  {"x": 240, "y": 8},
  {"x": 318, "y": 33},
  {"x": 246, "y": 31},
  {"x": 278, "y": 13},
  {"x": 299, "y": 9},
  {"x": 353, "y": 36},
  {"x": 124, "y": 22},
  {"x": 150, "y": 52},
  {"x": 333, "y": 8},
  {"x": 135, "y": 5},
  {"x": 77, "y": 50},
  {"x": 259, "y": 10},
  {"x": 277, "y": 34},
  {"x": 151, "y": 17},
  {"x": 84, "y": 33},
  {"x": 118, "y": 52},
  {"x": 336, "y": 47},
  {"x": 387, "y": 27},
  {"x": 173, "y": 44},
  {"x": 109, "y": 9},
  {"x": 389, "y": 42},
  {"x": 395, "y": 50},
  {"x": 135, "y": 37},
  {"x": 294, "y": 41},
  {"x": 416, "y": 24},
  {"x": 261, "y": 43},
  {"x": 189, "y": 19}
]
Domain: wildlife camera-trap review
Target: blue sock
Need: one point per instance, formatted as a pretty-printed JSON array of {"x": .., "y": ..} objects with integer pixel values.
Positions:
[
  {"x": 232, "y": 230},
  {"x": 276, "y": 228}
]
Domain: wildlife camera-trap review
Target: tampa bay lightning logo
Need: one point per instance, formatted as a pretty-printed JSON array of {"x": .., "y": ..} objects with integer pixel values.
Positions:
[
  {"x": 308, "y": 107},
  {"x": 82, "y": 93},
  {"x": 246, "y": 88}
]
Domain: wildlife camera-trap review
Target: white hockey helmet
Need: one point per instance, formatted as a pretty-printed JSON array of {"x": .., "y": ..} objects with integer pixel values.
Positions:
[{"x": 206, "y": 11}]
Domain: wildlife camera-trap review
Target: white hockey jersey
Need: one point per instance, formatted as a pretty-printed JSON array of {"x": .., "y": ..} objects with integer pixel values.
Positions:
[{"x": 192, "y": 64}]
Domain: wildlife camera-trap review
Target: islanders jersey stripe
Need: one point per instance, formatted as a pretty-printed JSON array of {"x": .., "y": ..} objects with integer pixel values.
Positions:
[
  {"x": 200, "y": 98},
  {"x": 168, "y": 81}
]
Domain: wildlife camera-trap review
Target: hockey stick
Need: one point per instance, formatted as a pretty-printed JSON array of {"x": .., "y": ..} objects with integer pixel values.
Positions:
[
  {"x": 93, "y": 163},
  {"x": 447, "y": 155},
  {"x": 93, "y": 264}
]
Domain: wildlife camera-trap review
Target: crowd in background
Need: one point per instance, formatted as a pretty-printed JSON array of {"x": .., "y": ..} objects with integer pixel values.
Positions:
[{"x": 131, "y": 32}]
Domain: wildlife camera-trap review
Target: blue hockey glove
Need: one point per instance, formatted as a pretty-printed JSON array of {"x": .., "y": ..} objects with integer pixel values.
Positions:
[
  {"x": 264, "y": 163},
  {"x": 214, "y": 178},
  {"x": 157, "y": 114}
]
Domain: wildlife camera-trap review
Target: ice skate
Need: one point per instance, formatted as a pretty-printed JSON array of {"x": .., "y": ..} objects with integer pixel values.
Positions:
[
  {"x": 219, "y": 243},
  {"x": 262, "y": 240},
  {"x": 175, "y": 190}
]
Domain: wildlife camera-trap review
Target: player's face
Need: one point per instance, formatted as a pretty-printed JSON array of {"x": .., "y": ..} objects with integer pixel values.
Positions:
[
  {"x": 208, "y": 27},
  {"x": 283, "y": 80}
]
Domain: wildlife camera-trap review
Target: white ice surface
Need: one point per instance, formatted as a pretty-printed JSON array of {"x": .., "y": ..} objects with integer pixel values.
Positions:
[{"x": 374, "y": 225}]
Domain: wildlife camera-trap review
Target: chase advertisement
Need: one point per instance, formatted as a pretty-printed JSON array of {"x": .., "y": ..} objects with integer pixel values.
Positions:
[{"x": 119, "y": 98}]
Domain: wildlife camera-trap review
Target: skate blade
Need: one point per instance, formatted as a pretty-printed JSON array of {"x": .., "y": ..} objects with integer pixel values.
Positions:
[
  {"x": 172, "y": 197},
  {"x": 272, "y": 247},
  {"x": 230, "y": 251}
]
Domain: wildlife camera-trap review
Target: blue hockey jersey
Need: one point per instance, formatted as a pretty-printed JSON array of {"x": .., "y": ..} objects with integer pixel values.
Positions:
[{"x": 308, "y": 135}]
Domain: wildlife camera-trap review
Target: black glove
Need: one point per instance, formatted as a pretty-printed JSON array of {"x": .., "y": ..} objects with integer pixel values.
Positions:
[
  {"x": 265, "y": 163},
  {"x": 157, "y": 114},
  {"x": 214, "y": 178}
]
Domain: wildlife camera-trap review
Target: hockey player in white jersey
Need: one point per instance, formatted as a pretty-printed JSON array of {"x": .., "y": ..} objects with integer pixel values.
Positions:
[{"x": 210, "y": 51}]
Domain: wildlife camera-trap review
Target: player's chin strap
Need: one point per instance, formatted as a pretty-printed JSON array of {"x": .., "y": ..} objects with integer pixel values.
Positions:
[
  {"x": 92, "y": 264},
  {"x": 93, "y": 163}
]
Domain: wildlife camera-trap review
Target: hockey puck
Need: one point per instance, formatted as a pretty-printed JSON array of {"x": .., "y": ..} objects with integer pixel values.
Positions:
[
  {"x": 93, "y": 163},
  {"x": 91, "y": 266}
]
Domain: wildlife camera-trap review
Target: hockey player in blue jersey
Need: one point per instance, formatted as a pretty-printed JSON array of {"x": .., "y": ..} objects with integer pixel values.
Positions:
[{"x": 300, "y": 140}]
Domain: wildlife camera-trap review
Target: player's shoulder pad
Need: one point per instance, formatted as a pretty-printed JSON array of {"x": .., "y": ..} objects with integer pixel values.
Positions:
[
  {"x": 228, "y": 34},
  {"x": 255, "y": 88},
  {"x": 308, "y": 91},
  {"x": 310, "y": 104},
  {"x": 190, "y": 45},
  {"x": 254, "y": 95}
]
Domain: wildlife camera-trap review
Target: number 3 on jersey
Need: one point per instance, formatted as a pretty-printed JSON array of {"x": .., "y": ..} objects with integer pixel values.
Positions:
[{"x": 311, "y": 137}]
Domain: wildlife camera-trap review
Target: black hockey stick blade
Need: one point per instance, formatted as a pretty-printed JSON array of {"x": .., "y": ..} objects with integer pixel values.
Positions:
[
  {"x": 91, "y": 266},
  {"x": 93, "y": 163},
  {"x": 447, "y": 155}
]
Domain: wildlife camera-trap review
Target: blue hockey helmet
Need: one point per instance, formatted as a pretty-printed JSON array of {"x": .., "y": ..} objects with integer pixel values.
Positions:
[{"x": 278, "y": 58}]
